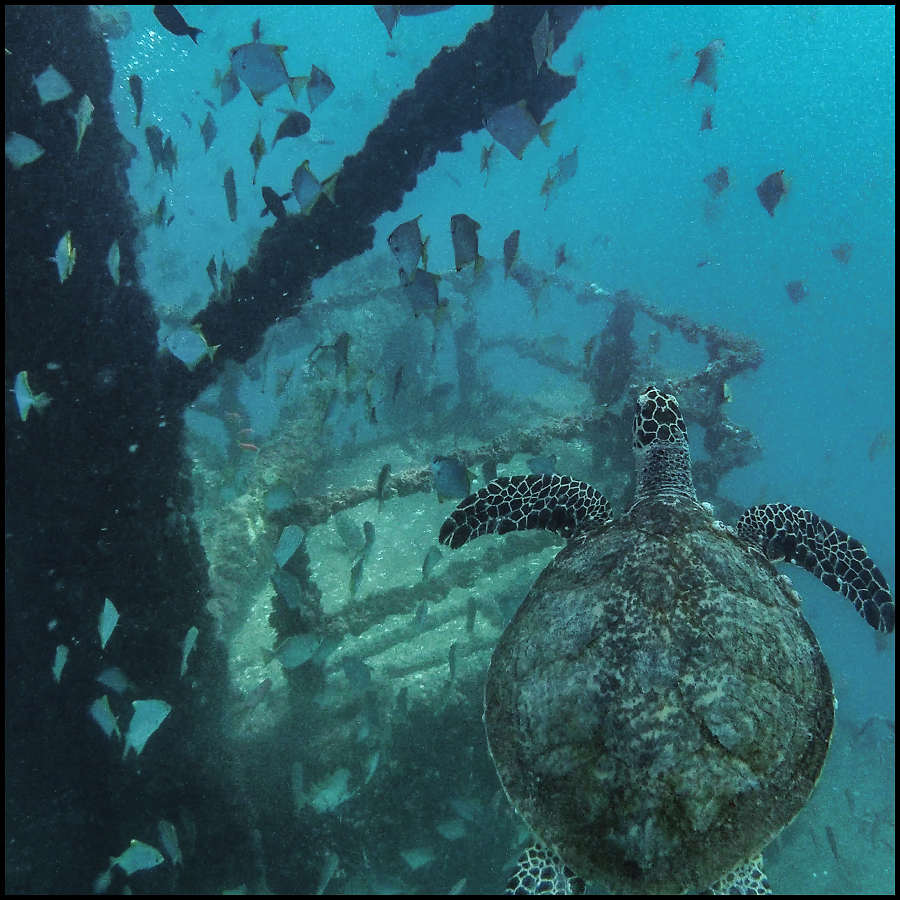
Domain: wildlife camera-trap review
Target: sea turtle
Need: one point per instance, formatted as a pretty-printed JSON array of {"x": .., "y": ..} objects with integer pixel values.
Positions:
[{"x": 658, "y": 709}]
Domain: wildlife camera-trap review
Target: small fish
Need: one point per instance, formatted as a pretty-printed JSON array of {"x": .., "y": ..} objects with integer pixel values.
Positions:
[
  {"x": 560, "y": 256},
  {"x": 489, "y": 470},
  {"x": 307, "y": 188},
  {"x": 452, "y": 480},
  {"x": 578, "y": 62},
  {"x": 209, "y": 131},
  {"x": 566, "y": 167},
  {"x": 797, "y": 291},
  {"x": 190, "y": 346},
  {"x": 51, "y": 86},
  {"x": 422, "y": 293},
  {"x": 230, "y": 194},
  {"x": 137, "y": 857},
  {"x": 369, "y": 532},
  {"x": 654, "y": 341},
  {"x": 174, "y": 23},
  {"x": 148, "y": 716},
  {"x": 295, "y": 651},
  {"x": 358, "y": 673},
  {"x": 383, "y": 477},
  {"x": 21, "y": 150},
  {"x": 420, "y": 617},
  {"x": 542, "y": 42},
  {"x": 113, "y": 259},
  {"x": 883, "y": 442},
  {"x": 451, "y": 662},
  {"x": 257, "y": 151},
  {"x": 511, "y": 252},
  {"x": 137, "y": 92},
  {"x": 256, "y": 30},
  {"x": 708, "y": 64},
  {"x": 274, "y": 203},
  {"x": 832, "y": 842},
  {"x": 319, "y": 87},
  {"x": 515, "y": 127},
  {"x": 727, "y": 393},
  {"x": 408, "y": 247},
  {"x": 109, "y": 617},
  {"x": 706, "y": 122},
  {"x": 213, "y": 274},
  {"x": 464, "y": 234},
  {"x": 154, "y": 137},
  {"x": 717, "y": 181},
  {"x": 471, "y": 613},
  {"x": 542, "y": 465},
  {"x": 329, "y": 867},
  {"x": 356, "y": 575},
  {"x": 770, "y": 191},
  {"x": 169, "y": 839},
  {"x": 83, "y": 119},
  {"x": 432, "y": 558},
  {"x": 842, "y": 252},
  {"x": 100, "y": 712},
  {"x": 486, "y": 156},
  {"x": 169, "y": 161},
  {"x": 261, "y": 67},
  {"x": 295, "y": 124},
  {"x": 187, "y": 646},
  {"x": 228, "y": 85},
  {"x": 59, "y": 662},
  {"x": 226, "y": 276},
  {"x": 187, "y": 120},
  {"x": 65, "y": 256},
  {"x": 398, "y": 384}
]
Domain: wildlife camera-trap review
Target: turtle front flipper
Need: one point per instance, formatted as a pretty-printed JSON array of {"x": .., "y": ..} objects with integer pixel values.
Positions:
[
  {"x": 552, "y": 502},
  {"x": 836, "y": 559},
  {"x": 540, "y": 871},
  {"x": 747, "y": 879}
]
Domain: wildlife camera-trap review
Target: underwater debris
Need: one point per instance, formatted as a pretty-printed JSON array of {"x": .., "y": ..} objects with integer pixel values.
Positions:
[
  {"x": 174, "y": 23},
  {"x": 770, "y": 191}
]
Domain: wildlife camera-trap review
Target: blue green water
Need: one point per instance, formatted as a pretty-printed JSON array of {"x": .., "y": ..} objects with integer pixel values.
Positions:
[{"x": 808, "y": 90}]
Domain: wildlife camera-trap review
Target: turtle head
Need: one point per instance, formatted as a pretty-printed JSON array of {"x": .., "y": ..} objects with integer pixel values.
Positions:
[{"x": 662, "y": 456}]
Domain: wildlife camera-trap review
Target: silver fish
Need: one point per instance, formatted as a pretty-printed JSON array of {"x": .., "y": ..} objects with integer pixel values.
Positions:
[{"x": 261, "y": 67}]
